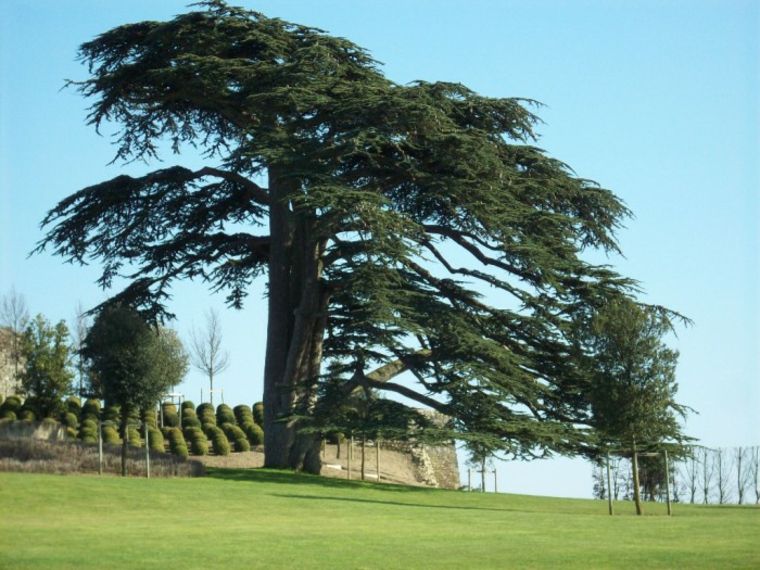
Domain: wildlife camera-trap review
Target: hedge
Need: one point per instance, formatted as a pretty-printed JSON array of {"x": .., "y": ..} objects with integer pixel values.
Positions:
[
  {"x": 27, "y": 415},
  {"x": 70, "y": 420},
  {"x": 12, "y": 404},
  {"x": 187, "y": 405},
  {"x": 73, "y": 405},
  {"x": 112, "y": 413},
  {"x": 134, "y": 437}
]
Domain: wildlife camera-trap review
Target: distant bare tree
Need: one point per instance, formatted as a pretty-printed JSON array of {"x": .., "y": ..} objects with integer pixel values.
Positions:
[
  {"x": 14, "y": 314},
  {"x": 206, "y": 350},
  {"x": 723, "y": 468},
  {"x": 690, "y": 474},
  {"x": 708, "y": 470},
  {"x": 742, "y": 462},
  {"x": 754, "y": 469}
]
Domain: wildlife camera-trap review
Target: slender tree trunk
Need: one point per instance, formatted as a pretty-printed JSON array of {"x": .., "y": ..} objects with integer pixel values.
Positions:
[
  {"x": 124, "y": 440},
  {"x": 636, "y": 490},
  {"x": 364, "y": 444}
]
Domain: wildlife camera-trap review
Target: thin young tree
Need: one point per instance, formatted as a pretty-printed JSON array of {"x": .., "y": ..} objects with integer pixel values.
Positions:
[
  {"x": 742, "y": 464},
  {"x": 631, "y": 375},
  {"x": 690, "y": 473},
  {"x": 130, "y": 364},
  {"x": 14, "y": 315},
  {"x": 723, "y": 469},
  {"x": 707, "y": 460},
  {"x": 352, "y": 196},
  {"x": 754, "y": 468},
  {"x": 206, "y": 350}
]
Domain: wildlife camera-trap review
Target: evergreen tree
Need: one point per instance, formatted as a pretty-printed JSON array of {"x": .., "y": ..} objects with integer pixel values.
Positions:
[
  {"x": 46, "y": 377},
  {"x": 372, "y": 209},
  {"x": 632, "y": 387}
]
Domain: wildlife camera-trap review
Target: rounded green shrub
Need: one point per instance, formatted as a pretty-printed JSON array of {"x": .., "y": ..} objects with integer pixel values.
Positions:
[
  {"x": 156, "y": 440},
  {"x": 177, "y": 444},
  {"x": 50, "y": 422},
  {"x": 91, "y": 409},
  {"x": 219, "y": 442},
  {"x": 171, "y": 417},
  {"x": 206, "y": 414},
  {"x": 73, "y": 405},
  {"x": 134, "y": 437},
  {"x": 258, "y": 413},
  {"x": 196, "y": 440},
  {"x": 190, "y": 421},
  {"x": 8, "y": 415},
  {"x": 253, "y": 432},
  {"x": 187, "y": 405},
  {"x": 71, "y": 433},
  {"x": 236, "y": 437},
  {"x": 88, "y": 430},
  {"x": 149, "y": 417},
  {"x": 27, "y": 415},
  {"x": 12, "y": 403},
  {"x": 224, "y": 415},
  {"x": 70, "y": 420},
  {"x": 242, "y": 414},
  {"x": 112, "y": 413},
  {"x": 110, "y": 435}
]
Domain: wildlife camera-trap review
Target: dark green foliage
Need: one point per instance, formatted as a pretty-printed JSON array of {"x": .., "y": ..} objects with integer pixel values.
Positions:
[
  {"x": 219, "y": 442},
  {"x": 187, "y": 405},
  {"x": 177, "y": 444},
  {"x": 242, "y": 414},
  {"x": 30, "y": 405},
  {"x": 9, "y": 415},
  {"x": 91, "y": 409},
  {"x": 156, "y": 440},
  {"x": 224, "y": 415},
  {"x": 335, "y": 437},
  {"x": 46, "y": 375},
  {"x": 110, "y": 435},
  {"x": 258, "y": 413},
  {"x": 197, "y": 440},
  {"x": 71, "y": 433},
  {"x": 236, "y": 437}
]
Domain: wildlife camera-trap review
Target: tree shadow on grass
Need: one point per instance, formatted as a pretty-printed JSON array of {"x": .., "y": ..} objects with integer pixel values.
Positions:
[
  {"x": 393, "y": 503},
  {"x": 262, "y": 475}
]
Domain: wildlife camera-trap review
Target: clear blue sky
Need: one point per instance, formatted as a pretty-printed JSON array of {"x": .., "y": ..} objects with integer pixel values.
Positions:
[{"x": 656, "y": 100}]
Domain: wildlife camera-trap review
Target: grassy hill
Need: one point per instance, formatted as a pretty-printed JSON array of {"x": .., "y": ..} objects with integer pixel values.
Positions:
[{"x": 266, "y": 519}]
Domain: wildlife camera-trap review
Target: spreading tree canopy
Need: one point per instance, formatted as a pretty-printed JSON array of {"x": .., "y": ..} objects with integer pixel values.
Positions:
[{"x": 374, "y": 211}]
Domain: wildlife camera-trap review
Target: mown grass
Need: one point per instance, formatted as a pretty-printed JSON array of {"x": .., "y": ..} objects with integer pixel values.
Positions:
[{"x": 265, "y": 519}]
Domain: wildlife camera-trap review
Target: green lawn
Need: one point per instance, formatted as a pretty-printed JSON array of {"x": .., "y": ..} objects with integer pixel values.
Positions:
[{"x": 265, "y": 519}]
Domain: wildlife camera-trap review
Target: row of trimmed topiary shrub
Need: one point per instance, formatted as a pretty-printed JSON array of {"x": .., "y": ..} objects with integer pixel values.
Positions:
[{"x": 220, "y": 431}]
